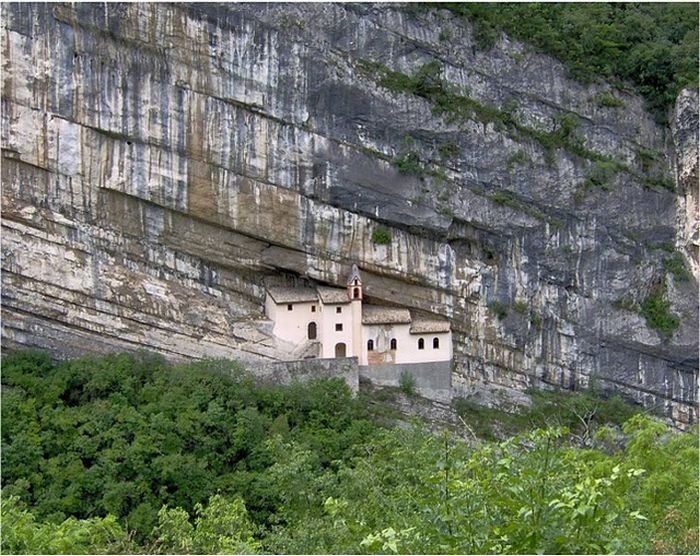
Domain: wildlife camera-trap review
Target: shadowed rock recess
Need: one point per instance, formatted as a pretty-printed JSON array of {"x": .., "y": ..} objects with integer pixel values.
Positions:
[{"x": 160, "y": 161}]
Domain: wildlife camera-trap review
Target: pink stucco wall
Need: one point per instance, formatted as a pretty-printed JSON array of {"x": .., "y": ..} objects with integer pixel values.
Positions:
[{"x": 292, "y": 326}]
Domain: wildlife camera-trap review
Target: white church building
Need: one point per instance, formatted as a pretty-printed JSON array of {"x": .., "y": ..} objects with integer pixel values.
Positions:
[{"x": 335, "y": 323}]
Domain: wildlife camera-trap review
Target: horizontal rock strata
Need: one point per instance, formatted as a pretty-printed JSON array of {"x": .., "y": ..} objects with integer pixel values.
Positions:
[{"x": 160, "y": 161}]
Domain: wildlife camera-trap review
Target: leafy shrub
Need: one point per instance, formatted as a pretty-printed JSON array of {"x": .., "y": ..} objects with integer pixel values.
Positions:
[
  {"x": 615, "y": 410},
  {"x": 24, "y": 534},
  {"x": 647, "y": 158},
  {"x": 660, "y": 180},
  {"x": 567, "y": 126},
  {"x": 675, "y": 264},
  {"x": 445, "y": 210},
  {"x": 449, "y": 150},
  {"x": 222, "y": 527},
  {"x": 567, "y": 409},
  {"x": 500, "y": 197},
  {"x": 381, "y": 236},
  {"x": 498, "y": 309},
  {"x": 397, "y": 82},
  {"x": 667, "y": 246},
  {"x": 504, "y": 198},
  {"x": 520, "y": 306},
  {"x": 407, "y": 384},
  {"x": 410, "y": 163},
  {"x": 486, "y": 36},
  {"x": 602, "y": 174},
  {"x": 576, "y": 411},
  {"x": 606, "y": 100},
  {"x": 427, "y": 80},
  {"x": 625, "y": 302},
  {"x": 656, "y": 309}
]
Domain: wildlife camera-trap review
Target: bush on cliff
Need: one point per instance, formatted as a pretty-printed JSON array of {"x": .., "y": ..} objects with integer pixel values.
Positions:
[{"x": 653, "y": 45}]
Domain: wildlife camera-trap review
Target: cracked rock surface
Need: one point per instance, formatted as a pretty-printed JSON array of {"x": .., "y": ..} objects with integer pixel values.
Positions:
[{"x": 160, "y": 161}]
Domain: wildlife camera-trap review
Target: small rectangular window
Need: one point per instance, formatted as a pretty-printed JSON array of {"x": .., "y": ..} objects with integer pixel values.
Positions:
[
  {"x": 289, "y": 307},
  {"x": 338, "y": 327},
  {"x": 338, "y": 309},
  {"x": 313, "y": 308}
]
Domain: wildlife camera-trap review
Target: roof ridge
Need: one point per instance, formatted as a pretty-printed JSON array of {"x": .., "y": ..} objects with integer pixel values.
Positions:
[{"x": 354, "y": 274}]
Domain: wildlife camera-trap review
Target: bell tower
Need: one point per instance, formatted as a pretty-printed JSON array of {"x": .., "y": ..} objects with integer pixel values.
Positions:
[{"x": 354, "y": 284}]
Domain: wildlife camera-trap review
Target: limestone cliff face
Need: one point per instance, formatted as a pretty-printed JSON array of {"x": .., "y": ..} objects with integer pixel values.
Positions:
[
  {"x": 684, "y": 130},
  {"x": 159, "y": 161}
]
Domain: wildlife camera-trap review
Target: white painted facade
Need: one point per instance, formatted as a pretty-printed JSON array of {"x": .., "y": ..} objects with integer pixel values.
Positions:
[
  {"x": 343, "y": 327},
  {"x": 436, "y": 346},
  {"x": 333, "y": 316},
  {"x": 291, "y": 319}
]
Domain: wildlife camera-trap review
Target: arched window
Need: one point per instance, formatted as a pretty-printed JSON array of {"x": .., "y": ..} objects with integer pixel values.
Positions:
[
  {"x": 356, "y": 293},
  {"x": 370, "y": 345},
  {"x": 393, "y": 344},
  {"x": 340, "y": 349},
  {"x": 421, "y": 343},
  {"x": 436, "y": 343},
  {"x": 311, "y": 331}
]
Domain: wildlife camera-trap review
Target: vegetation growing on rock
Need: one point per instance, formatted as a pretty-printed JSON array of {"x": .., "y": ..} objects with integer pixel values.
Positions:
[
  {"x": 381, "y": 236},
  {"x": 675, "y": 264},
  {"x": 656, "y": 309},
  {"x": 427, "y": 83},
  {"x": 653, "y": 45}
]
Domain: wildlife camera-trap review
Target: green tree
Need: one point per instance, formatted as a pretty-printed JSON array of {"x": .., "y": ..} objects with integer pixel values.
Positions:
[
  {"x": 302, "y": 469},
  {"x": 221, "y": 527},
  {"x": 23, "y": 534}
]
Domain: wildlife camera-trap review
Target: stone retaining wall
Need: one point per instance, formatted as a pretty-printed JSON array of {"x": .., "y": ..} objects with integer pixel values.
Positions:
[
  {"x": 286, "y": 372},
  {"x": 432, "y": 380}
]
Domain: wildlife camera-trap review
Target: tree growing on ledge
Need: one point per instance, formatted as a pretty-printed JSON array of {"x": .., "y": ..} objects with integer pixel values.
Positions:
[{"x": 381, "y": 236}]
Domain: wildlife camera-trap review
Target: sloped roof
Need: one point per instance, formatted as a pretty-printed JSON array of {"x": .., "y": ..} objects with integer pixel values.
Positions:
[
  {"x": 372, "y": 314},
  {"x": 423, "y": 325},
  {"x": 332, "y": 295},
  {"x": 292, "y": 295},
  {"x": 354, "y": 273}
]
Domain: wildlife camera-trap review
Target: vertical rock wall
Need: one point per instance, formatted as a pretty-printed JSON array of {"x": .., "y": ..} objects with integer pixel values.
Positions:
[
  {"x": 684, "y": 131},
  {"x": 159, "y": 161}
]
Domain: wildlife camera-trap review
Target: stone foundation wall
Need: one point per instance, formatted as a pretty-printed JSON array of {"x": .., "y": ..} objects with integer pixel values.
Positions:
[
  {"x": 432, "y": 380},
  {"x": 286, "y": 372}
]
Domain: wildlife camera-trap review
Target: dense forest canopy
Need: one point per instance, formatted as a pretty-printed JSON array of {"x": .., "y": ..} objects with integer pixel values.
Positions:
[
  {"x": 652, "y": 45},
  {"x": 129, "y": 454}
]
